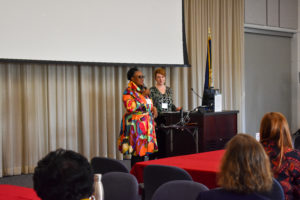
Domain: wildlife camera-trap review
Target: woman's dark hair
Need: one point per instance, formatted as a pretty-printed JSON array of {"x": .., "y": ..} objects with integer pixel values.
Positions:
[
  {"x": 63, "y": 175},
  {"x": 131, "y": 72}
]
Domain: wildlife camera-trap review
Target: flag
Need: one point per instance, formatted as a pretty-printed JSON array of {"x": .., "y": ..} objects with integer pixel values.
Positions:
[{"x": 208, "y": 69}]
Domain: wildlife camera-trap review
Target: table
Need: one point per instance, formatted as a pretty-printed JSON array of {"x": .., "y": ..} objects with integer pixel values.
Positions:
[
  {"x": 193, "y": 130},
  {"x": 13, "y": 192},
  {"x": 203, "y": 167},
  {"x": 215, "y": 129}
]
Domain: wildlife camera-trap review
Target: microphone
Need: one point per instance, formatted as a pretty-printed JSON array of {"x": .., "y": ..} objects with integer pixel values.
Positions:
[
  {"x": 181, "y": 113},
  {"x": 143, "y": 87},
  {"x": 181, "y": 117},
  {"x": 196, "y": 93}
]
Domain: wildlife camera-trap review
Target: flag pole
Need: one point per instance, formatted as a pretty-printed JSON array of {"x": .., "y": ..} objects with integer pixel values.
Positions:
[{"x": 210, "y": 73}]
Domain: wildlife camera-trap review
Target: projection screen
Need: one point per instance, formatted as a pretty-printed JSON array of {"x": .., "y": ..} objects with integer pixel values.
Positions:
[{"x": 96, "y": 31}]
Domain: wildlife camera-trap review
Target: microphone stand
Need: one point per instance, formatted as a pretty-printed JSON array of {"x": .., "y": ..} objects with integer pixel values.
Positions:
[
  {"x": 196, "y": 94},
  {"x": 185, "y": 119},
  {"x": 201, "y": 108},
  {"x": 181, "y": 117}
]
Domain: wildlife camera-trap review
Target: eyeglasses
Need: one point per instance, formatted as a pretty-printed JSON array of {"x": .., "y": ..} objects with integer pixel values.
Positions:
[{"x": 141, "y": 77}]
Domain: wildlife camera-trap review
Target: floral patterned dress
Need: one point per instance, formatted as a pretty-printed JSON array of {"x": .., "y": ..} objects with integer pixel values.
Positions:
[
  {"x": 289, "y": 172},
  {"x": 137, "y": 136}
]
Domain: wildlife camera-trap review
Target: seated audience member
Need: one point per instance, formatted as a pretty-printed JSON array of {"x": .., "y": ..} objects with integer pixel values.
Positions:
[
  {"x": 63, "y": 175},
  {"x": 285, "y": 161},
  {"x": 245, "y": 171}
]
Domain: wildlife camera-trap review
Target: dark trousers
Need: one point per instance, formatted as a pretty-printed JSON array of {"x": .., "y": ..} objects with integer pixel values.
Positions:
[{"x": 135, "y": 159}]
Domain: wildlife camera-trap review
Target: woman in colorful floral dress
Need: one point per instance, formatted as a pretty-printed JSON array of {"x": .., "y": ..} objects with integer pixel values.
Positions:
[
  {"x": 137, "y": 136},
  {"x": 285, "y": 161}
]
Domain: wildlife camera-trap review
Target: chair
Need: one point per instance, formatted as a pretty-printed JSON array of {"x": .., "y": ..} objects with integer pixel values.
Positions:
[
  {"x": 156, "y": 175},
  {"x": 276, "y": 193},
  {"x": 178, "y": 190},
  {"x": 297, "y": 140},
  {"x": 120, "y": 186},
  {"x": 102, "y": 165}
]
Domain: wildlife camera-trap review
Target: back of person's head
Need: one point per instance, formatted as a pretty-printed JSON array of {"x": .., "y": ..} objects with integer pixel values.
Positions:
[
  {"x": 245, "y": 166},
  {"x": 274, "y": 127},
  {"x": 63, "y": 175}
]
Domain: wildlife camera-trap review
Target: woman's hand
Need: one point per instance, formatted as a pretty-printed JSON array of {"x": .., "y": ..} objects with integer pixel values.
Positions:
[
  {"x": 146, "y": 92},
  {"x": 154, "y": 111},
  {"x": 178, "y": 108}
]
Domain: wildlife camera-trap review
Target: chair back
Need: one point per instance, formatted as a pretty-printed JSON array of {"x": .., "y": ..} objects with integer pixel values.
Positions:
[
  {"x": 102, "y": 165},
  {"x": 178, "y": 190},
  {"x": 120, "y": 186},
  {"x": 156, "y": 175},
  {"x": 297, "y": 140},
  {"x": 276, "y": 193}
]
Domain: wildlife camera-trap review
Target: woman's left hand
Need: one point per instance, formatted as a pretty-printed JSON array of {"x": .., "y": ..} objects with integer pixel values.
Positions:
[{"x": 178, "y": 108}]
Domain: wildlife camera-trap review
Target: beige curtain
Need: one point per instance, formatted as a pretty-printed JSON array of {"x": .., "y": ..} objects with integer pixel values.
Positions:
[
  {"x": 225, "y": 20},
  {"x": 45, "y": 107}
]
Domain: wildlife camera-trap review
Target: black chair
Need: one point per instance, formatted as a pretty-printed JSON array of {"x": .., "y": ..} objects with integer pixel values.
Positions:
[
  {"x": 297, "y": 140},
  {"x": 120, "y": 186},
  {"x": 156, "y": 175},
  {"x": 276, "y": 192},
  {"x": 178, "y": 190},
  {"x": 102, "y": 165}
]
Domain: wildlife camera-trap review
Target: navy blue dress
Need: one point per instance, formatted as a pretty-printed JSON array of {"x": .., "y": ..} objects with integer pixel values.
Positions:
[{"x": 217, "y": 194}]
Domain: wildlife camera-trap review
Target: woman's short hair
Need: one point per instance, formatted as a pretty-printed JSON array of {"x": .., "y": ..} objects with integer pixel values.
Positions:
[
  {"x": 245, "y": 166},
  {"x": 63, "y": 175},
  {"x": 161, "y": 71},
  {"x": 131, "y": 72},
  {"x": 274, "y": 127}
]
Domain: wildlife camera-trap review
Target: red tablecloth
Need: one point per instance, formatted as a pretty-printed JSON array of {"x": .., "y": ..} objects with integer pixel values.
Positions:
[
  {"x": 12, "y": 192},
  {"x": 203, "y": 167}
]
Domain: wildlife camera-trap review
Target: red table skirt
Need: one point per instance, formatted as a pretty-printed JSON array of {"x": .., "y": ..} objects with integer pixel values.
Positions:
[
  {"x": 203, "y": 167},
  {"x": 12, "y": 192}
]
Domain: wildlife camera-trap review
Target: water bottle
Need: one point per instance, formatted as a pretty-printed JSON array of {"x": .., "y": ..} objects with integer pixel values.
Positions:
[{"x": 98, "y": 188}]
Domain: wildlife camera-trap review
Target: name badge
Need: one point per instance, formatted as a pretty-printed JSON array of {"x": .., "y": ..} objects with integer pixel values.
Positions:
[
  {"x": 148, "y": 101},
  {"x": 164, "y": 105}
]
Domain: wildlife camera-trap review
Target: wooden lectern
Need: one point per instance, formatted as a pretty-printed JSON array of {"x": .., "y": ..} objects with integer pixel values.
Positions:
[{"x": 204, "y": 132}]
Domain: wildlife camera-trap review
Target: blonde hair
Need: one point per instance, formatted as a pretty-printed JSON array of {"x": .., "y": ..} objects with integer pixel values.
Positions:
[
  {"x": 245, "y": 166},
  {"x": 161, "y": 71},
  {"x": 274, "y": 127}
]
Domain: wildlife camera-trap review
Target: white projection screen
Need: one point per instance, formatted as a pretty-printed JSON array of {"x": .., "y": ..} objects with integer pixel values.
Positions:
[{"x": 96, "y": 31}]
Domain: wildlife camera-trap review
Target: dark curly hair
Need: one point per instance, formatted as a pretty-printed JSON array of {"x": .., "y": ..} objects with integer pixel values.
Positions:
[
  {"x": 63, "y": 175},
  {"x": 131, "y": 72}
]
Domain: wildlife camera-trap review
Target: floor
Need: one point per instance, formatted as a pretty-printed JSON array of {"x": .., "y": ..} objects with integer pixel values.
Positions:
[
  {"x": 26, "y": 179},
  {"x": 20, "y": 180}
]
